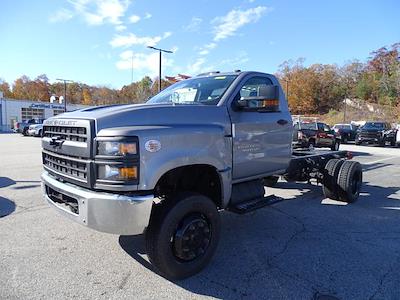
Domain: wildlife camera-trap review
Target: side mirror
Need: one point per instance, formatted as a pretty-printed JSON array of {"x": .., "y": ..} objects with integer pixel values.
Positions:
[{"x": 267, "y": 99}]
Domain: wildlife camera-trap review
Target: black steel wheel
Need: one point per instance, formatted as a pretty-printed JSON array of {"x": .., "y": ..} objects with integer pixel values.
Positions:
[{"x": 183, "y": 235}]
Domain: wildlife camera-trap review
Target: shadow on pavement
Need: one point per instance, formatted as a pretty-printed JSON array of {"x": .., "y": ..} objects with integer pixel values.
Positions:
[
  {"x": 6, "y": 181},
  {"x": 6, "y": 207}
]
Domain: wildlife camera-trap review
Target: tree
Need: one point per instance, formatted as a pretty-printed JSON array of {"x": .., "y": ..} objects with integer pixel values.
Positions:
[{"x": 5, "y": 88}]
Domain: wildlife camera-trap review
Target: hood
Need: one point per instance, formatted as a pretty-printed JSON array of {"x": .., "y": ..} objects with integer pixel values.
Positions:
[{"x": 152, "y": 115}]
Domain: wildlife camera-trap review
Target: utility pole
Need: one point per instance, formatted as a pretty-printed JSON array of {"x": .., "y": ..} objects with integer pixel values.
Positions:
[
  {"x": 159, "y": 69},
  {"x": 65, "y": 91}
]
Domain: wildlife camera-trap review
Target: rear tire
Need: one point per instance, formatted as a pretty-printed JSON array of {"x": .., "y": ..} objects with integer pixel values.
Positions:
[
  {"x": 335, "y": 146},
  {"x": 330, "y": 187},
  {"x": 311, "y": 145},
  {"x": 183, "y": 235},
  {"x": 350, "y": 181}
]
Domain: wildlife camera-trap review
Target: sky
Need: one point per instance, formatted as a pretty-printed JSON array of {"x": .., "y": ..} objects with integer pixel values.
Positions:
[{"x": 100, "y": 42}]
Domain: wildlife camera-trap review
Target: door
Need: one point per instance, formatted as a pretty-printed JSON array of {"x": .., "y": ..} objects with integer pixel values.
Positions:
[
  {"x": 261, "y": 140},
  {"x": 329, "y": 135}
]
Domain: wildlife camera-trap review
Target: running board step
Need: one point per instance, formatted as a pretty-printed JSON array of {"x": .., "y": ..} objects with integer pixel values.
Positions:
[{"x": 248, "y": 206}]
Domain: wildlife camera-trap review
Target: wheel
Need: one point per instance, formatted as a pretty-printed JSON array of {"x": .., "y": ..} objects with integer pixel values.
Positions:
[
  {"x": 183, "y": 235},
  {"x": 345, "y": 140},
  {"x": 40, "y": 133},
  {"x": 382, "y": 143},
  {"x": 311, "y": 145},
  {"x": 330, "y": 187},
  {"x": 350, "y": 181},
  {"x": 393, "y": 143},
  {"x": 335, "y": 146},
  {"x": 270, "y": 181}
]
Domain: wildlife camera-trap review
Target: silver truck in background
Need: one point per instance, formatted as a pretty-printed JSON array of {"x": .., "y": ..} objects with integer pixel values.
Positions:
[{"x": 167, "y": 167}]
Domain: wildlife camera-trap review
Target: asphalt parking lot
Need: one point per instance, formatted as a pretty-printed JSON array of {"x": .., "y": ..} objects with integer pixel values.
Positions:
[{"x": 306, "y": 247}]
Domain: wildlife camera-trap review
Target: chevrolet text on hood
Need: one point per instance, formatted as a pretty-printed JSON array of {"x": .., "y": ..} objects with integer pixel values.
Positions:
[{"x": 165, "y": 168}]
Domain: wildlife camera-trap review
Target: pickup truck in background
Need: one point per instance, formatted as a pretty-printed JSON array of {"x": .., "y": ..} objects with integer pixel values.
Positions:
[
  {"x": 376, "y": 133},
  {"x": 22, "y": 127},
  {"x": 347, "y": 132},
  {"x": 167, "y": 167},
  {"x": 312, "y": 134}
]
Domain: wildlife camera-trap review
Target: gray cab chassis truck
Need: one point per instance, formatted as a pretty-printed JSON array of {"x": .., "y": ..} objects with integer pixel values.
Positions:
[{"x": 167, "y": 167}]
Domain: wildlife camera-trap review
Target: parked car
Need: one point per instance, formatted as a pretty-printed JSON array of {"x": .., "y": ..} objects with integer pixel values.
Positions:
[
  {"x": 35, "y": 129},
  {"x": 376, "y": 133},
  {"x": 314, "y": 135},
  {"x": 398, "y": 135},
  {"x": 347, "y": 132},
  {"x": 22, "y": 127}
]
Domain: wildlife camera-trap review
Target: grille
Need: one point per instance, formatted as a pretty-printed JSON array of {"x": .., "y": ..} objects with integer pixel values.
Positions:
[
  {"x": 66, "y": 166},
  {"x": 370, "y": 134},
  {"x": 77, "y": 134}
]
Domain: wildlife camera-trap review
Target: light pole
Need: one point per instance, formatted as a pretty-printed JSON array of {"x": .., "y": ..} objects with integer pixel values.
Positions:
[
  {"x": 65, "y": 91},
  {"x": 159, "y": 70}
]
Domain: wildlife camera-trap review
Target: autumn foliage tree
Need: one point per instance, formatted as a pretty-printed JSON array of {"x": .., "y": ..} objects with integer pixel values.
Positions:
[{"x": 318, "y": 88}]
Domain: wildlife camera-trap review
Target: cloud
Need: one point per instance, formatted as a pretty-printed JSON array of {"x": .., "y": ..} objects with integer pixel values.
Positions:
[
  {"x": 147, "y": 16},
  {"x": 120, "y": 27},
  {"x": 134, "y": 19},
  {"x": 197, "y": 66},
  {"x": 194, "y": 24},
  {"x": 61, "y": 15},
  {"x": 235, "y": 62},
  {"x": 98, "y": 12},
  {"x": 131, "y": 39},
  {"x": 142, "y": 63},
  {"x": 227, "y": 25},
  {"x": 206, "y": 48}
]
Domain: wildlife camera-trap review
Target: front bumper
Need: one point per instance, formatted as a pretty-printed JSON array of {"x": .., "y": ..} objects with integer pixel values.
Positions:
[
  {"x": 106, "y": 212},
  {"x": 369, "y": 139},
  {"x": 32, "y": 132}
]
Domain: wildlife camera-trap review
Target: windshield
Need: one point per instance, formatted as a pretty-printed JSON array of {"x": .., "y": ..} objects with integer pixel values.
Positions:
[
  {"x": 205, "y": 90},
  {"x": 373, "y": 125},
  {"x": 312, "y": 126}
]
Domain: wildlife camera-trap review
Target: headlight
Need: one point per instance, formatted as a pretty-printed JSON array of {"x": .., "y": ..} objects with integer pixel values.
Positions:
[
  {"x": 111, "y": 148},
  {"x": 117, "y": 172}
]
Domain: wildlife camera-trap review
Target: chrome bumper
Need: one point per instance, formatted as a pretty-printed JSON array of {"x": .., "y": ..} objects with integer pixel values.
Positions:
[{"x": 106, "y": 212}]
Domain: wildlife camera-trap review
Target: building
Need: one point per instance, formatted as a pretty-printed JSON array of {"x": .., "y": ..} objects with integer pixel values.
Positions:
[{"x": 12, "y": 111}]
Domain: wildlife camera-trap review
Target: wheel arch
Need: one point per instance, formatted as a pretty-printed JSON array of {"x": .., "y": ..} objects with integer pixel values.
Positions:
[{"x": 200, "y": 178}]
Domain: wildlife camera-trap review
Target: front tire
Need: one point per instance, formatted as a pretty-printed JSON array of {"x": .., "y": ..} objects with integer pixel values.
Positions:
[{"x": 183, "y": 235}]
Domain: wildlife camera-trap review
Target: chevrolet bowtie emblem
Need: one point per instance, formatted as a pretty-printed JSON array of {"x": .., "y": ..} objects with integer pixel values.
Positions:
[{"x": 56, "y": 141}]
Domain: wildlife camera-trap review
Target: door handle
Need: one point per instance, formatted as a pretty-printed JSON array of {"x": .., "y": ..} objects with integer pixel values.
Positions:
[{"x": 282, "y": 122}]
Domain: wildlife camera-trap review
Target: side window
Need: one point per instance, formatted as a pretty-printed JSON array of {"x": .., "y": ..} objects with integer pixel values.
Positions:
[
  {"x": 327, "y": 128},
  {"x": 320, "y": 127},
  {"x": 252, "y": 87}
]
